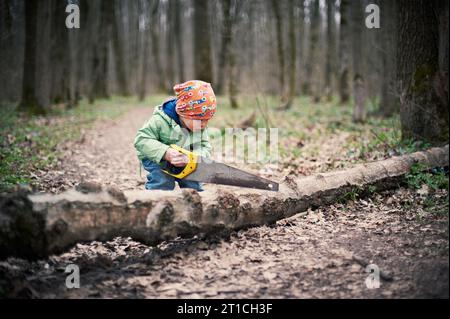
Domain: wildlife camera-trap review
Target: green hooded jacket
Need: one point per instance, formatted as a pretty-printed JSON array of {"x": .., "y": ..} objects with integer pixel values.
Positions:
[{"x": 155, "y": 137}]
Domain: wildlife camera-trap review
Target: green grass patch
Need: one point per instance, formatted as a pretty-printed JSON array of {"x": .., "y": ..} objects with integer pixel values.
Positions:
[
  {"x": 29, "y": 143},
  {"x": 419, "y": 175}
]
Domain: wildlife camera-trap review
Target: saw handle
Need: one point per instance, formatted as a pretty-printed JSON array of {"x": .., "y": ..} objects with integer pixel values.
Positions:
[{"x": 180, "y": 172}]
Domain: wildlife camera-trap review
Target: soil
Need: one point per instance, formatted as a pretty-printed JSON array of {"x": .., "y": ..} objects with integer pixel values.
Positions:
[{"x": 324, "y": 253}]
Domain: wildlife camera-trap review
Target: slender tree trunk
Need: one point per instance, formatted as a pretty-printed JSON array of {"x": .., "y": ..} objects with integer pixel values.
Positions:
[
  {"x": 7, "y": 50},
  {"x": 83, "y": 50},
  {"x": 60, "y": 76},
  {"x": 170, "y": 46},
  {"x": 301, "y": 46},
  {"x": 293, "y": 55},
  {"x": 225, "y": 45},
  {"x": 154, "y": 32},
  {"x": 142, "y": 84},
  {"x": 423, "y": 103},
  {"x": 280, "y": 46},
  {"x": 202, "y": 42},
  {"x": 389, "y": 96},
  {"x": 101, "y": 53},
  {"x": 344, "y": 52},
  {"x": 29, "y": 101},
  {"x": 120, "y": 67},
  {"x": 178, "y": 41},
  {"x": 313, "y": 61},
  {"x": 233, "y": 73},
  {"x": 442, "y": 82},
  {"x": 331, "y": 49},
  {"x": 359, "y": 90}
]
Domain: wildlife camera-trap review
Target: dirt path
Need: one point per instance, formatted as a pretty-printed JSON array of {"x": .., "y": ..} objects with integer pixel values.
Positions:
[
  {"x": 104, "y": 154},
  {"x": 320, "y": 254}
]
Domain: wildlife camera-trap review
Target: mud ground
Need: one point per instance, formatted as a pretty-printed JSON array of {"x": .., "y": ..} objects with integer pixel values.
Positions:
[{"x": 323, "y": 253}]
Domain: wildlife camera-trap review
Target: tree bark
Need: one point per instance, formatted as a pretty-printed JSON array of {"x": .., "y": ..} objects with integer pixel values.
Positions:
[
  {"x": 178, "y": 41},
  {"x": 144, "y": 43},
  {"x": 232, "y": 70},
  {"x": 389, "y": 102},
  {"x": 202, "y": 42},
  {"x": 225, "y": 46},
  {"x": 292, "y": 54},
  {"x": 359, "y": 89},
  {"x": 29, "y": 102},
  {"x": 423, "y": 102},
  {"x": 120, "y": 67},
  {"x": 344, "y": 52},
  {"x": 313, "y": 61},
  {"x": 170, "y": 36},
  {"x": 60, "y": 70},
  {"x": 101, "y": 53},
  {"x": 35, "y": 226},
  {"x": 275, "y": 4},
  {"x": 154, "y": 32},
  {"x": 301, "y": 47},
  {"x": 331, "y": 49}
]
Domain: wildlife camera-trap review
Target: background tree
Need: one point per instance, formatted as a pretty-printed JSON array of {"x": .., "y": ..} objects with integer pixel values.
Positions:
[
  {"x": 275, "y": 5},
  {"x": 359, "y": 89},
  {"x": 389, "y": 93},
  {"x": 202, "y": 42},
  {"x": 331, "y": 48},
  {"x": 225, "y": 45},
  {"x": 119, "y": 50},
  {"x": 292, "y": 54},
  {"x": 344, "y": 52},
  {"x": 101, "y": 55},
  {"x": 29, "y": 101},
  {"x": 423, "y": 101}
]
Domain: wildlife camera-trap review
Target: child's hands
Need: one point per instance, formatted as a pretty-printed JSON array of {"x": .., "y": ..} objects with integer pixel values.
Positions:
[{"x": 176, "y": 158}]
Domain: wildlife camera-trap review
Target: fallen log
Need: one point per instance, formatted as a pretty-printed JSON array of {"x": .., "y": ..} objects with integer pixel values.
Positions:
[{"x": 37, "y": 225}]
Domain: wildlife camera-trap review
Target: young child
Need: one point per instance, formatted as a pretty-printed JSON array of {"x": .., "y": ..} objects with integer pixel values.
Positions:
[{"x": 182, "y": 121}]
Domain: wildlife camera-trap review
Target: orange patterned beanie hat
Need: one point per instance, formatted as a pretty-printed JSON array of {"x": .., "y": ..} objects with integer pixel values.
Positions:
[{"x": 195, "y": 100}]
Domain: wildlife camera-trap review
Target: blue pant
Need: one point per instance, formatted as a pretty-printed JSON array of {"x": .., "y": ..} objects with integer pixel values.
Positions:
[{"x": 157, "y": 179}]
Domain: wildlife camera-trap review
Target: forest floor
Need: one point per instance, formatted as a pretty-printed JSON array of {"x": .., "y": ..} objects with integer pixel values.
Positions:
[{"x": 322, "y": 253}]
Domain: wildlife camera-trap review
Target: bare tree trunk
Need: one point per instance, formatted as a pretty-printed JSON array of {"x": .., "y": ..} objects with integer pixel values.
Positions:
[
  {"x": 29, "y": 101},
  {"x": 9, "y": 46},
  {"x": 293, "y": 55},
  {"x": 442, "y": 83},
  {"x": 359, "y": 90},
  {"x": 120, "y": 67},
  {"x": 83, "y": 50},
  {"x": 60, "y": 76},
  {"x": 142, "y": 85},
  {"x": 280, "y": 46},
  {"x": 154, "y": 32},
  {"x": 233, "y": 74},
  {"x": 389, "y": 102},
  {"x": 313, "y": 61},
  {"x": 424, "y": 105},
  {"x": 225, "y": 46},
  {"x": 202, "y": 42},
  {"x": 301, "y": 46},
  {"x": 170, "y": 56},
  {"x": 178, "y": 41},
  {"x": 344, "y": 52},
  {"x": 101, "y": 53},
  {"x": 331, "y": 49}
]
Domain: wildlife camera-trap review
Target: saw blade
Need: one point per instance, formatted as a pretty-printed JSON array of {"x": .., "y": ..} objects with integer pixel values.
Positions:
[{"x": 209, "y": 171}]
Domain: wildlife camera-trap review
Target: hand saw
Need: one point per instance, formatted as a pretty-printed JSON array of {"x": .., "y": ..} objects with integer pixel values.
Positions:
[{"x": 201, "y": 169}]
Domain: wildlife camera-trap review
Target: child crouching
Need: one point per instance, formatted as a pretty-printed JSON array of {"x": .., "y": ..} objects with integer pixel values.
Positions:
[{"x": 182, "y": 121}]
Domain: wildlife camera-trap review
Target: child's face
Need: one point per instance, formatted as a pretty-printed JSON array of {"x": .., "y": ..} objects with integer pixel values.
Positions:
[{"x": 193, "y": 125}]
